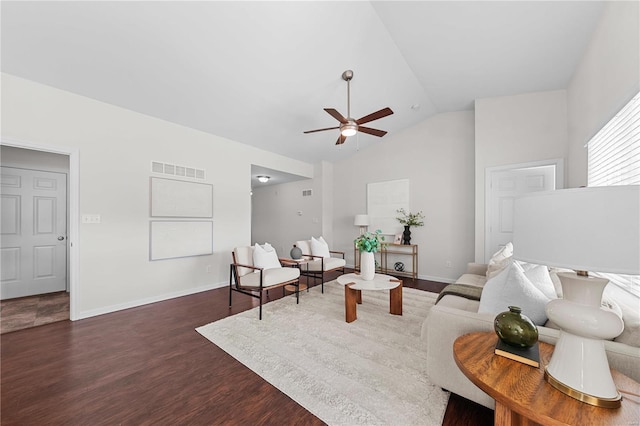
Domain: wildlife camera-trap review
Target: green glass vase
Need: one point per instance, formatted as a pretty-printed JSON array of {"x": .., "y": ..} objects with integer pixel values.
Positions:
[{"x": 515, "y": 329}]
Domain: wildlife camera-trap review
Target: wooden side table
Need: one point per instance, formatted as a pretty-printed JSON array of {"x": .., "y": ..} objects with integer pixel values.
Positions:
[{"x": 523, "y": 396}]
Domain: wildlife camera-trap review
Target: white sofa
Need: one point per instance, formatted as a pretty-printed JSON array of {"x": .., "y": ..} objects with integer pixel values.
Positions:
[{"x": 454, "y": 316}]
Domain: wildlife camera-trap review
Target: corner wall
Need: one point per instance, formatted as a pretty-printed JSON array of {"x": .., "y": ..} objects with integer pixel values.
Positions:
[
  {"x": 437, "y": 158},
  {"x": 607, "y": 77},
  {"x": 116, "y": 147},
  {"x": 515, "y": 130}
]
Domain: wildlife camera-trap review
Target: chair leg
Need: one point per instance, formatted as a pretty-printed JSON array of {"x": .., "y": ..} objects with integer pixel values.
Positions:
[
  {"x": 298, "y": 292},
  {"x": 230, "y": 284},
  {"x": 260, "y": 316}
]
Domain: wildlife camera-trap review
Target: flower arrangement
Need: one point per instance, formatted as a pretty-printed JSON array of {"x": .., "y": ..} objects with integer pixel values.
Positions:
[
  {"x": 410, "y": 219},
  {"x": 369, "y": 241}
]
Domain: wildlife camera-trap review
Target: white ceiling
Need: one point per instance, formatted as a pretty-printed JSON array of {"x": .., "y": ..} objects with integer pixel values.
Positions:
[{"x": 261, "y": 72}]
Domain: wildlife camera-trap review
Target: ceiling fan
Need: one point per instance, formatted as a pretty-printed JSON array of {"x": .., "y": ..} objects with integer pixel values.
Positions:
[{"x": 348, "y": 126}]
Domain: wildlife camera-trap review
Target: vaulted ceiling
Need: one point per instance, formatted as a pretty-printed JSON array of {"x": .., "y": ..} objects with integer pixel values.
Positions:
[{"x": 261, "y": 73}]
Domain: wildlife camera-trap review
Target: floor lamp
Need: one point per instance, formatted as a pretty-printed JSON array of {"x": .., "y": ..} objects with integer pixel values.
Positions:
[{"x": 585, "y": 229}]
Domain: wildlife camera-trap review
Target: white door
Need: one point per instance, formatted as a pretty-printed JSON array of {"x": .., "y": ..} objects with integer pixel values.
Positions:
[
  {"x": 504, "y": 187},
  {"x": 34, "y": 232}
]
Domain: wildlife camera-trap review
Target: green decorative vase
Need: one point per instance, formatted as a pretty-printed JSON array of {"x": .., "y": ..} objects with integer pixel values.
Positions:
[{"x": 515, "y": 329}]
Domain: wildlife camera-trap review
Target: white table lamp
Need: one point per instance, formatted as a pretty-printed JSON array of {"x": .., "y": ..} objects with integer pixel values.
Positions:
[
  {"x": 585, "y": 229},
  {"x": 361, "y": 220}
]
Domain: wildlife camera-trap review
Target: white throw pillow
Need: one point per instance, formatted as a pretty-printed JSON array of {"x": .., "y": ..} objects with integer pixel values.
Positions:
[
  {"x": 319, "y": 247},
  {"x": 511, "y": 287},
  {"x": 499, "y": 260},
  {"x": 265, "y": 257},
  {"x": 539, "y": 277}
]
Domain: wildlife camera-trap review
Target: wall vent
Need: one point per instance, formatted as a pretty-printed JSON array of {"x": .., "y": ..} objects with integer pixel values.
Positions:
[
  {"x": 307, "y": 192},
  {"x": 174, "y": 170}
]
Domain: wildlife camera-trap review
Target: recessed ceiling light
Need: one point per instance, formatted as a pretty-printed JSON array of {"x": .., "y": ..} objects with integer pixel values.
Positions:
[{"x": 264, "y": 179}]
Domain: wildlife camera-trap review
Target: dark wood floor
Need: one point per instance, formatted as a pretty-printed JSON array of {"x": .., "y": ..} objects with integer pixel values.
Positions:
[{"x": 148, "y": 365}]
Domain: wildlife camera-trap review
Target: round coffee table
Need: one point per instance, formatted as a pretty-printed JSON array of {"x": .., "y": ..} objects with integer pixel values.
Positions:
[{"x": 354, "y": 284}]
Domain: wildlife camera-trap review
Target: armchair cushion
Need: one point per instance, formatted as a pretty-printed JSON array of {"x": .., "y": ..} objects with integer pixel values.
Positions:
[
  {"x": 265, "y": 257},
  {"x": 244, "y": 256},
  {"x": 319, "y": 247},
  {"x": 271, "y": 277},
  {"x": 305, "y": 247},
  {"x": 330, "y": 263}
]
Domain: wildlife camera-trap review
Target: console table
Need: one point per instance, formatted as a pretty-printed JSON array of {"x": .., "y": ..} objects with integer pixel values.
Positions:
[
  {"x": 406, "y": 250},
  {"x": 523, "y": 396}
]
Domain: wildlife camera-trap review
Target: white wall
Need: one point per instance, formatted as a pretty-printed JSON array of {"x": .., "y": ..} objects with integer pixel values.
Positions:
[
  {"x": 116, "y": 147},
  {"x": 515, "y": 130},
  {"x": 607, "y": 77},
  {"x": 437, "y": 158},
  {"x": 275, "y": 214}
]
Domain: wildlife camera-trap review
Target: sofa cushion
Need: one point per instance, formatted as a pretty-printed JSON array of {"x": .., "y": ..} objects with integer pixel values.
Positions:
[
  {"x": 457, "y": 302},
  {"x": 511, "y": 287},
  {"x": 472, "y": 279},
  {"x": 539, "y": 277},
  {"x": 500, "y": 260}
]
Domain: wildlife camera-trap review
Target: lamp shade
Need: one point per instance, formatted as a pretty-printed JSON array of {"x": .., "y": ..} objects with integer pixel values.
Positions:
[
  {"x": 361, "y": 220},
  {"x": 588, "y": 229}
]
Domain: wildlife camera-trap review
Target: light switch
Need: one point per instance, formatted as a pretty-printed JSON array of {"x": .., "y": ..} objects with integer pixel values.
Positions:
[{"x": 91, "y": 218}]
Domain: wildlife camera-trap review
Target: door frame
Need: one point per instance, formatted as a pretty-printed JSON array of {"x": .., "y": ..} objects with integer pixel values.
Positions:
[
  {"x": 73, "y": 212},
  {"x": 557, "y": 162}
]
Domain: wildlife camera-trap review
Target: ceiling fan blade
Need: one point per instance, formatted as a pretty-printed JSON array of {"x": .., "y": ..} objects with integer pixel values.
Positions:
[
  {"x": 341, "y": 139},
  {"x": 375, "y": 115},
  {"x": 321, "y": 130},
  {"x": 335, "y": 114},
  {"x": 374, "y": 132}
]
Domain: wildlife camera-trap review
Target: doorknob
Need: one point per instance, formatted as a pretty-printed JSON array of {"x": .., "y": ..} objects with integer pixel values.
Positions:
[{"x": 60, "y": 238}]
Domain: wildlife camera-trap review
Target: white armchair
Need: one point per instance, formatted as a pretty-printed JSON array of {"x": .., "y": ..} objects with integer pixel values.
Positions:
[
  {"x": 318, "y": 262},
  {"x": 247, "y": 278}
]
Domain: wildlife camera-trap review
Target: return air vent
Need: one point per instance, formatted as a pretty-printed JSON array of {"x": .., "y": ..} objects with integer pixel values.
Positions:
[
  {"x": 173, "y": 170},
  {"x": 307, "y": 192}
]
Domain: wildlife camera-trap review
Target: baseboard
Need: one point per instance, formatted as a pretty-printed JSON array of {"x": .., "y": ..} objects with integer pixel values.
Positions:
[
  {"x": 437, "y": 279},
  {"x": 148, "y": 300}
]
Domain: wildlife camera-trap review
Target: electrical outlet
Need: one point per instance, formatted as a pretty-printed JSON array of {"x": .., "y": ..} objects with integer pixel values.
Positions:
[{"x": 447, "y": 264}]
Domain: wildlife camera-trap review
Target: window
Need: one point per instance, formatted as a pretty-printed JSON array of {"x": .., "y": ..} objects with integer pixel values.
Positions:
[{"x": 614, "y": 159}]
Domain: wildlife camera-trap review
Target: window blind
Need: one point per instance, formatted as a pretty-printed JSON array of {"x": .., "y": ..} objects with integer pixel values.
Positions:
[
  {"x": 614, "y": 152},
  {"x": 614, "y": 159}
]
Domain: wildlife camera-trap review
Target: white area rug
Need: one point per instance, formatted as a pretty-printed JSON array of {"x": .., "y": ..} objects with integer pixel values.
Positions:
[{"x": 371, "y": 371}]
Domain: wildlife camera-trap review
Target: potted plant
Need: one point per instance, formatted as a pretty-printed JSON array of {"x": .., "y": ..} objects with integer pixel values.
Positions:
[
  {"x": 409, "y": 220},
  {"x": 368, "y": 243}
]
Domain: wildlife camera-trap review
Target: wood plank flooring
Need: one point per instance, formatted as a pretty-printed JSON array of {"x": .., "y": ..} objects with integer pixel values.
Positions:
[
  {"x": 31, "y": 311},
  {"x": 148, "y": 366}
]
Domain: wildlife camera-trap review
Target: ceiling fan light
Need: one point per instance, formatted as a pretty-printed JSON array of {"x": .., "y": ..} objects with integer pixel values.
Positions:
[
  {"x": 348, "y": 130},
  {"x": 264, "y": 179}
]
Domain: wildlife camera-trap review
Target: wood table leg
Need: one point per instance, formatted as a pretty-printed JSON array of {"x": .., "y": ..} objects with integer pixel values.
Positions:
[
  {"x": 395, "y": 300},
  {"x": 359, "y": 297},
  {"x": 350, "y": 297}
]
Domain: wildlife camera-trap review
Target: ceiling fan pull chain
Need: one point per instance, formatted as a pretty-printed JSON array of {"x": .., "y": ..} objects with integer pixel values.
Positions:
[{"x": 348, "y": 99}]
